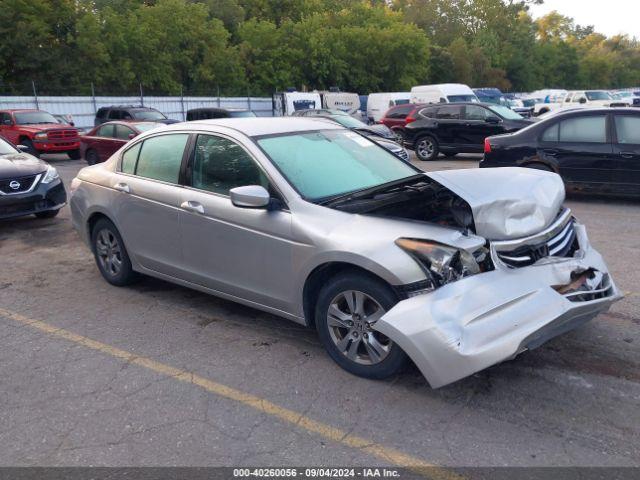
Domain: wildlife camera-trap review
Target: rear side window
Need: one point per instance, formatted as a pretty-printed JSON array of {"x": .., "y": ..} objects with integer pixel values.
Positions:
[
  {"x": 102, "y": 113},
  {"x": 129, "y": 159},
  {"x": 220, "y": 165},
  {"x": 115, "y": 114},
  {"x": 429, "y": 112},
  {"x": 448, "y": 113},
  {"x": 590, "y": 129},
  {"x": 105, "y": 131},
  {"x": 400, "y": 112},
  {"x": 628, "y": 129},
  {"x": 160, "y": 157}
]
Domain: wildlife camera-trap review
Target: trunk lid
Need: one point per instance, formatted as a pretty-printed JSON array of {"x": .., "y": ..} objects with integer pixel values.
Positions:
[{"x": 509, "y": 202}]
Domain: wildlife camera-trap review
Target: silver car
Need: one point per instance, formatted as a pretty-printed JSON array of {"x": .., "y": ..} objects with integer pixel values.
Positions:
[{"x": 456, "y": 270}]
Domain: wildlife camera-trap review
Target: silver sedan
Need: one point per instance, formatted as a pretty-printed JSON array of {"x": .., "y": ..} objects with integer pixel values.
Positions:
[{"x": 456, "y": 270}]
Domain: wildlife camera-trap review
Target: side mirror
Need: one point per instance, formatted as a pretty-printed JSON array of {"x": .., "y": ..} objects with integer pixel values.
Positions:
[
  {"x": 132, "y": 135},
  {"x": 22, "y": 148},
  {"x": 492, "y": 119},
  {"x": 582, "y": 100},
  {"x": 250, "y": 196},
  {"x": 7, "y": 122}
]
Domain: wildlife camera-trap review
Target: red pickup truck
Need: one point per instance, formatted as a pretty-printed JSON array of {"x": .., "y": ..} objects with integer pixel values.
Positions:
[{"x": 40, "y": 132}]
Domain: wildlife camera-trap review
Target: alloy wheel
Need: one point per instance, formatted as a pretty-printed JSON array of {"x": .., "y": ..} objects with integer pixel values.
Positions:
[
  {"x": 109, "y": 252},
  {"x": 350, "y": 321},
  {"x": 426, "y": 148}
]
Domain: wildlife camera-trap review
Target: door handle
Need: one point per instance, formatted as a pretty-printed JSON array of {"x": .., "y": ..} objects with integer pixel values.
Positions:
[
  {"x": 122, "y": 187},
  {"x": 627, "y": 154},
  {"x": 550, "y": 152},
  {"x": 194, "y": 207}
]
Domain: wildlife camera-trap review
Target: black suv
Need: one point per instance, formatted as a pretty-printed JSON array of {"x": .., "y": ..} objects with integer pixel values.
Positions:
[
  {"x": 452, "y": 128},
  {"x": 130, "y": 113},
  {"x": 210, "y": 112}
]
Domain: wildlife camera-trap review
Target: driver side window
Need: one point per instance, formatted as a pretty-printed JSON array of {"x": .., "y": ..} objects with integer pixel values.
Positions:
[
  {"x": 473, "y": 112},
  {"x": 220, "y": 165}
]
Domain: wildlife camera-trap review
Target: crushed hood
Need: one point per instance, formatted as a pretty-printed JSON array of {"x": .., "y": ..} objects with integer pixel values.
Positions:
[{"x": 508, "y": 202}]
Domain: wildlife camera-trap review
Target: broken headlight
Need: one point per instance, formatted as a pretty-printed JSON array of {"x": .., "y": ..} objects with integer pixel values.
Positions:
[{"x": 442, "y": 263}]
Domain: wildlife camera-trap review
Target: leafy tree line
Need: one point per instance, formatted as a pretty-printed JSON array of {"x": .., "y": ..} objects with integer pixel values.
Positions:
[{"x": 240, "y": 47}]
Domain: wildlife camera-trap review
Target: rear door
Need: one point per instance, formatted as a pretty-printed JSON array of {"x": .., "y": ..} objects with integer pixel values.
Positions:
[
  {"x": 625, "y": 176},
  {"x": 148, "y": 206},
  {"x": 581, "y": 148},
  {"x": 448, "y": 125},
  {"x": 239, "y": 251}
]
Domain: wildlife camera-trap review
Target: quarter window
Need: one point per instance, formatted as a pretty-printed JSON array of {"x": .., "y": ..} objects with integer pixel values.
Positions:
[
  {"x": 628, "y": 129},
  {"x": 160, "y": 157},
  {"x": 551, "y": 133},
  {"x": 591, "y": 129},
  {"x": 129, "y": 159},
  {"x": 220, "y": 165}
]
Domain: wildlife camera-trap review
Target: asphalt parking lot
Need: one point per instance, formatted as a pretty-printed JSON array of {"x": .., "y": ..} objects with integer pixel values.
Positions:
[{"x": 157, "y": 374}]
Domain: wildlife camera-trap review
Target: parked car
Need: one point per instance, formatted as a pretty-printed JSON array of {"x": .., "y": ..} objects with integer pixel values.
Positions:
[
  {"x": 443, "y": 93},
  {"x": 28, "y": 185},
  {"x": 39, "y": 132},
  {"x": 397, "y": 118},
  {"x": 380, "y": 134},
  {"x": 285, "y": 103},
  {"x": 630, "y": 96},
  {"x": 593, "y": 150},
  {"x": 458, "y": 128},
  {"x": 343, "y": 101},
  {"x": 379, "y": 103},
  {"x": 593, "y": 98},
  {"x": 491, "y": 95},
  {"x": 519, "y": 107},
  {"x": 106, "y": 139},
  {"x": 208, "y": 113},
  {"x": 131, "y": 113},
  {"x": 457, "y": 270}
]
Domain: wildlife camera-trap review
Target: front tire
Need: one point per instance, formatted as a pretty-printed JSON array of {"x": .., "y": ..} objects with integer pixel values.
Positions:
[
  {"x": 74, "y": 154},
  {"x": 31, "y": 150},
  {"x": 427, "y": 148},
  {"x": 111, "y": 255},
  {"x": 346, "y": 309}
]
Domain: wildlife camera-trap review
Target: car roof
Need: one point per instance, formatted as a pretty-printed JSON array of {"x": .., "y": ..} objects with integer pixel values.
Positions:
[
  {"x": 256, "y": 126},
  {"x": 14, "y": 110},
  {"x": 217, "y": 109}
]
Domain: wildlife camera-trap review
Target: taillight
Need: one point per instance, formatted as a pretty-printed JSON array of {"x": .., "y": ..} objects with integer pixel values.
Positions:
[
  {"x": 409, "y": 119},
  {"x": 487, "y": 146}
]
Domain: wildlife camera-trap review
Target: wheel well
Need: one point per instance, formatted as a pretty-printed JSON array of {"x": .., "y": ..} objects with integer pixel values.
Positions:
[
  {"x": 23, "y": 138},
  {"x": 319, "y": 276},
  {"x": 93, "y": 219},
  {"x": 543, "y": 164}
]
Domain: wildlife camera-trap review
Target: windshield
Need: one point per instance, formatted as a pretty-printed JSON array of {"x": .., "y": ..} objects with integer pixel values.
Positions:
[
  {"x": 505, "y": 112},
  {"x": 329, "y": 163},
  {"x": 462, "y": 98},
  {"x": 143, "y": 127},
  {"x": 348, "y": 121},
  {"x": 598, "y": 95},
  {"x": 241, "y": 114},
  {"x": 31, "y": 118},
  {"x": 6, "y": 148},
  {"x": 624, "y": 94},
  {"x": 148, "y": 115}
]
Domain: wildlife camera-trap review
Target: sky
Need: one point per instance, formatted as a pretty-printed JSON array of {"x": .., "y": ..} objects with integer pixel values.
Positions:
[{"x": 610, "y": 18}]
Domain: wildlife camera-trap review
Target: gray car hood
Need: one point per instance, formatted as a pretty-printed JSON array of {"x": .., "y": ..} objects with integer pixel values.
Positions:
[{"x": 508, "y": 202}]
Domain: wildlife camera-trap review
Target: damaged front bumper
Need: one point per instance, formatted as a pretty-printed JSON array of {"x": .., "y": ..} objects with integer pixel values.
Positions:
[{"x": 469, "y": 325}]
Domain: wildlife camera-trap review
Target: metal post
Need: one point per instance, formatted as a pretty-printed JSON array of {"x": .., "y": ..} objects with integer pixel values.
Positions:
[
  {"x": 93, "y": 98},
  {"x": 141, "y": 96},
  {"x": 218, "y": 96},
  {"x": 35, "y": 95},
  {"x": 182, "y": 103},
  {"x": 248, "y": 99}
]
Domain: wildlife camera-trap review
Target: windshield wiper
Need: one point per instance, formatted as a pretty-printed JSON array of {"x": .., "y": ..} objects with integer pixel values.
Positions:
[{"x": 368, "y": 192}]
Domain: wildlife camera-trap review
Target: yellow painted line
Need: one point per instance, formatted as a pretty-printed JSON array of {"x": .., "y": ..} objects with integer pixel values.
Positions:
[{"x": 286, "y": 415}]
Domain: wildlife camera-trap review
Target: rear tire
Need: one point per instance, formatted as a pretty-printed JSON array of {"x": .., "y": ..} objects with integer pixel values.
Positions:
[
  {"x": 111, "y": 255},
  {"x": 91, "y": 156},
  {"x": 74, "y": 154},
  {"x": 48, "y": 214},
  {"x": 427, "y": 148},
  {"x": 345, "y": 306},
  {"x": 31, "y": 150}
]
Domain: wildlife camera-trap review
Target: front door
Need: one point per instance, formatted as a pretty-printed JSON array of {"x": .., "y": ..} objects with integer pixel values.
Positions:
[
  {"x": 477, "y": 128},
  {"x": 243, "y": 252},
  {"x": 147, "y": 205},
  {"x": 625, "y": 176}
]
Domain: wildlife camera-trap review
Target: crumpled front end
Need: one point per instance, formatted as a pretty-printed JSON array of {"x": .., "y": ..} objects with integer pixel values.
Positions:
[{"x": 469, "y": 325}]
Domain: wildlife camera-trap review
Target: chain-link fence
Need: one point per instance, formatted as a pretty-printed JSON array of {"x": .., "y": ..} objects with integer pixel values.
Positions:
[{"x": 83, "y": 108}]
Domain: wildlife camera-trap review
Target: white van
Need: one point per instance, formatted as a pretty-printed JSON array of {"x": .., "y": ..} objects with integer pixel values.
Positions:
[
  {"x": 285, "y": 103},
  {"x": 443, "y": 93},
  {"x": 379, "y": 103},
  {"x": 344, "y": 101}
]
